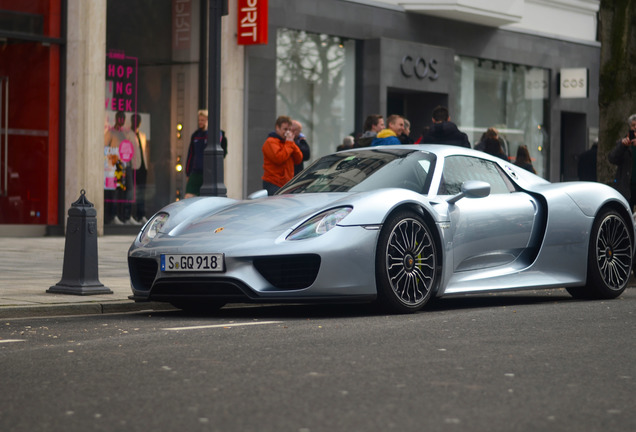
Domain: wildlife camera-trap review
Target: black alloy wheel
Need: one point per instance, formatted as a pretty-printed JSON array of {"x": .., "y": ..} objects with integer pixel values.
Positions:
[
  {"x": 609, "y": 258},
  {"x": 406, "y": 263}
]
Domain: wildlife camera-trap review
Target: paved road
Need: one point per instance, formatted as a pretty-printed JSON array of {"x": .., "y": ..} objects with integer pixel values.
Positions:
[{"x": 522, "y": 362}]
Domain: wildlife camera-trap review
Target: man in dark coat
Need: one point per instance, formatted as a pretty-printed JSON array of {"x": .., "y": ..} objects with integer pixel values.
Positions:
[
  {"x": 622, "y": 156},
  {"x": 443, "y": 131},
  {"x": 586, "y": 167}
]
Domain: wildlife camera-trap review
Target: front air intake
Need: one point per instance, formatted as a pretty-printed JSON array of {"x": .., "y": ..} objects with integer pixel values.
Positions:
[
  {"x": 289, "y": 272},
  {"x": 142, "y": 272}
]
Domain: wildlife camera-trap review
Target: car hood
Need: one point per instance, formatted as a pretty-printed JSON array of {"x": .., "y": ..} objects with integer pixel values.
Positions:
[
  {"x": 232, "y": 225},
  {"x": 274, "y": 215}
]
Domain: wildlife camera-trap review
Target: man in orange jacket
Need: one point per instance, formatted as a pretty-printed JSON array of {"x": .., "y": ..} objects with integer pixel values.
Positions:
[{"x": 280, "y": 154}]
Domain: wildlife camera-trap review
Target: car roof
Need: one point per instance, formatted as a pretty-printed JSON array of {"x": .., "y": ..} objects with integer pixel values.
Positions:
[
  {"x": 521, "y": 176},
  {"x": 441, "y": 150}
]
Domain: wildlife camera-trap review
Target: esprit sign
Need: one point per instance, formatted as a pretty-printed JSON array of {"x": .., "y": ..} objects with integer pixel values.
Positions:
[
  {"x": 252, "y": 22},
  {"x": 573, "y": 83},
  {"x": 181, "y": 23},
  {"x": 419, "y": 67}
]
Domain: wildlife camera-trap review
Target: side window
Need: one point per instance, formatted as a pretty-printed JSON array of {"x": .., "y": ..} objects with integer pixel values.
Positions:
[{"x": 458, "y": 169}]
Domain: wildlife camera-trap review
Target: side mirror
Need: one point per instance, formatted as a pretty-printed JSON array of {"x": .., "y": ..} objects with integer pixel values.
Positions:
[
  {"x": 258, "y": 194},
  {"x": 471, "y": 189}
]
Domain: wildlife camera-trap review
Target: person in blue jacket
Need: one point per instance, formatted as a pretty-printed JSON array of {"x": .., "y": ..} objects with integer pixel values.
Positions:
[{"x": 390, "y": 136}]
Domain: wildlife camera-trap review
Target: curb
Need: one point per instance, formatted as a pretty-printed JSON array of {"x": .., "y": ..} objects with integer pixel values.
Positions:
[{"x": 62, "y": 309}]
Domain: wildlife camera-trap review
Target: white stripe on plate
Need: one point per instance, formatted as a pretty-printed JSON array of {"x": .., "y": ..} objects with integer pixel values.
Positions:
[{"x": 11, "y": 340}]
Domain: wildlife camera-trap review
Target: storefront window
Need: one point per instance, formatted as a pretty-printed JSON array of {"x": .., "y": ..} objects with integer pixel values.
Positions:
[
  {"x": 513, "y": 99},
  {"x": 315, "y": 83},
  {"x": 152, "y": 77}
]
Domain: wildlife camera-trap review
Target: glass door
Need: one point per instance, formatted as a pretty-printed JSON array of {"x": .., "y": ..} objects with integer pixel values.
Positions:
[
  {"x": 25, "y": 134},
  {"x": 29, "y": 111}
]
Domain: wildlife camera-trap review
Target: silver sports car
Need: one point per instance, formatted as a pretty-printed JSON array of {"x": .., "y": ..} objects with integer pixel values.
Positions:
[{"x": 397, "y": 225}]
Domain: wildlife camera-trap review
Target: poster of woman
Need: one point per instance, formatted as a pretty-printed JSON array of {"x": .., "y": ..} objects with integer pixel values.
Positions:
[{"x": 120, "y": 158}]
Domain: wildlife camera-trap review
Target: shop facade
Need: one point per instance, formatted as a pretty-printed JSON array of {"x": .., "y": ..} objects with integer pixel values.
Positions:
[
  {"x": 328, "y": 64},
  {"x": 491, "y": 69}
]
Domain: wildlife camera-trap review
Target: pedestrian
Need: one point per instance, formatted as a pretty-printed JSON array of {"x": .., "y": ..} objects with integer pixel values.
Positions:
[
  {"x": 443, "y": 131},
  {"x": 373, "y": 124},
  {"x": 405, "y": 137},
  {"x": 389, "y": 136},
  {"x": 223, "y": 143},
  {"x": 347, "y": 143},
  {"x": 622, "y": 156},
  {"x": 490, "y": 133},
  {"x": 523, "y": 159},
  {"x": 586, "y": 167},
  {"x": 493, "y": 147},
  {"x": 280, "y": 154},
  {"x": 303, "y": 145},
  {"x": 194, "y": 162}
]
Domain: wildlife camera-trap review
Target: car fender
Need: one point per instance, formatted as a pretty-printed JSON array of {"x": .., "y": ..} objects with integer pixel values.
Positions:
[
  {"x": 590, "y": 197},
  {"x": 372, "y": 208}
]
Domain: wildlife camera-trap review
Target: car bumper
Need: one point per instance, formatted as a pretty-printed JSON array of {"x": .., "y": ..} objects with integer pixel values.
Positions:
[{"x": 339, "y": 265}]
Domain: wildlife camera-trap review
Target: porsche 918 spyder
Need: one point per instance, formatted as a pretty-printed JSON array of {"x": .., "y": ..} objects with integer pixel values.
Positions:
[{"x": 396, "y": 225}]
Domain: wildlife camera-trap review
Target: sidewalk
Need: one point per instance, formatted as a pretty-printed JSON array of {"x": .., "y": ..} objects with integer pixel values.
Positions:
[{"x": 30, "y": 266}]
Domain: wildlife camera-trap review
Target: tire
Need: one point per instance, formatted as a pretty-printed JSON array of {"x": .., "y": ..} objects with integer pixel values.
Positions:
[
  {"x": 406, "y": 263},
  {"x": 198, "y": 307},
  {"x": 610, "y": 257}
]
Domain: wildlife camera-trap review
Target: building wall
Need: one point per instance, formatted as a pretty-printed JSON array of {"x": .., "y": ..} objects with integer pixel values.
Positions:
[
  {"x": 248, "y": 103},
  {"x": 385, "y": 32},
  {"x": 532, "y": 33},
  {"x": 369, "y": 23}
]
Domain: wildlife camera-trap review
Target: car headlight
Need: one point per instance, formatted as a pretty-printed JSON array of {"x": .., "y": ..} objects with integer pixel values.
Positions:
[
  {"x": 319, "y": 224},
  {"x": 153, "y": 227}
]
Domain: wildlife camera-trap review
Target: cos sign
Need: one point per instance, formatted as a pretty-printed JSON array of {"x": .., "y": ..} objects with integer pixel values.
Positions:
[
  {"x": 419, "y": 68},
  {"x": 573, "y": 83}
]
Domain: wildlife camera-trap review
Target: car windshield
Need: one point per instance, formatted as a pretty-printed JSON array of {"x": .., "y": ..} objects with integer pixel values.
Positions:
[{"x": 365, "y": 170}]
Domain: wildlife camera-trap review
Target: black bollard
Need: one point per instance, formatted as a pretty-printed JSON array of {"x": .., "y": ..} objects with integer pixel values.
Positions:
[{"x": 80, "y": 275}]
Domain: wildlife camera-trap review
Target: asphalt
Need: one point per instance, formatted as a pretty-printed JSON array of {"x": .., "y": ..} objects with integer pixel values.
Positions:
[{"x": 30, "y": 266}]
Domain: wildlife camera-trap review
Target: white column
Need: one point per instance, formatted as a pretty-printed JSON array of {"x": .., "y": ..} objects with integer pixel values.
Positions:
[
  {"x": 232, "y": 103},
  {"x": 85, "y": 112}
]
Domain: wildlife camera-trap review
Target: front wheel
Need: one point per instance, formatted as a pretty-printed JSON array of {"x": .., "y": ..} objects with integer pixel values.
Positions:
[
  {"x": 406, "y": 262},
  {"x": 609, "y": 258}
]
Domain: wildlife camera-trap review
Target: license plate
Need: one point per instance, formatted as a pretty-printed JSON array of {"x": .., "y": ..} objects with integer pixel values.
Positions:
[{"x": 185, "y": 263}]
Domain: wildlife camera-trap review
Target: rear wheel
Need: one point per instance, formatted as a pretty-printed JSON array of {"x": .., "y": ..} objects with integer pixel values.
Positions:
[
  {"x": 609, "y": 258},
  {"x": 406, "y": 263}
]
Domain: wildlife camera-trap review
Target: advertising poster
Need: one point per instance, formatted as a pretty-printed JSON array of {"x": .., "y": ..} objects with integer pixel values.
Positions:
[{"x": 120, "y": 143}]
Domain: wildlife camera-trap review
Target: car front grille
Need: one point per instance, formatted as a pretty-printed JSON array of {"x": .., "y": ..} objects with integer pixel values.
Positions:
[
  {"x": 142, "y": 272},
  {"x": 195, "y": 287},
  {"x": 289, "y": 272}
]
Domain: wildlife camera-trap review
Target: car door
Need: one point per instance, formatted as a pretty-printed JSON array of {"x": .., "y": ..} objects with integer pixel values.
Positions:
[{"x": 492, "y": 231}]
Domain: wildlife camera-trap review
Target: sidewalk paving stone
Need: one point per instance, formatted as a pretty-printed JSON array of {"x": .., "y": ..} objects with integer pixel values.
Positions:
[{"x": 31, "y": 265}]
